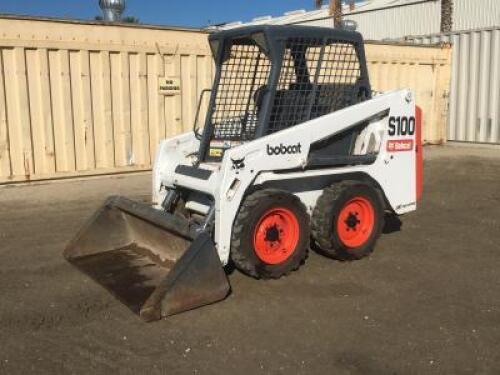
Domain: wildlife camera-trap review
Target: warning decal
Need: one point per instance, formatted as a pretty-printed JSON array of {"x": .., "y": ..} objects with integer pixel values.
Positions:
[{"x": 400, "y": 145}]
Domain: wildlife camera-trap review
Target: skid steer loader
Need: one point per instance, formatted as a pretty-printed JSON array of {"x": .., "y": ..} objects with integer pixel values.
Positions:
[{"x": 295, "y": 151}]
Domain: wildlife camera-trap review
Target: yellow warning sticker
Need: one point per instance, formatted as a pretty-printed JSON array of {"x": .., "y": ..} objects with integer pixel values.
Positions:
[{"x": 215, "y": 152}]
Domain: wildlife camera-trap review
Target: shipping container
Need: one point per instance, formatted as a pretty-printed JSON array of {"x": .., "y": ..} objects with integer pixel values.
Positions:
[
  {"x": 426, "y": 71},
  {"x": 85, "y": 98}
]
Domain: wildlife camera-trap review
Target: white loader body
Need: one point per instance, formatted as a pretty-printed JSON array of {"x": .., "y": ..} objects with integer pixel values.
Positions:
[
  {"x": 281, "y": 159},
  {"x": 295, "y": 154}
]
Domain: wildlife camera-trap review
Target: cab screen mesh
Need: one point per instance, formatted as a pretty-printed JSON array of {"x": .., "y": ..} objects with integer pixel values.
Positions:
[
  {"x": 316, "y": 79},
  {"x": 243, "y": 76}
]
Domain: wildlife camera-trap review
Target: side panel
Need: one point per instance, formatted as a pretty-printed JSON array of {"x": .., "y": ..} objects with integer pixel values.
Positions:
[{"x": 171, "y": 152}]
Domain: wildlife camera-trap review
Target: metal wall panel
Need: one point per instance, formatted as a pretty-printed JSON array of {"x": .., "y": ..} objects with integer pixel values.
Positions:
[
  {"x": 396, "y": 22},
  {"x": 82, "y": 98},
  {"x": 393, "y": 19},
  {"x": 474, "y": 110},
  {"x": 475, "y": 14},
  {"x": 376, "y": 19}
]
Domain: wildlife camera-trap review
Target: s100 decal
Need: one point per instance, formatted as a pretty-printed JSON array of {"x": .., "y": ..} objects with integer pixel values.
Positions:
[{"x": 401, "y": 125}]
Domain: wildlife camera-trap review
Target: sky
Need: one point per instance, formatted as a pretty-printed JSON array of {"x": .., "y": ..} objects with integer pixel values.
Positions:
[{"x": 162, "y": 12}]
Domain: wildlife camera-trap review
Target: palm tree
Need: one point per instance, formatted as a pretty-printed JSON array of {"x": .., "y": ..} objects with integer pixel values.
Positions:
[
  {"x": 446, "y": 15},
  {"x": 335, "y": 10}
]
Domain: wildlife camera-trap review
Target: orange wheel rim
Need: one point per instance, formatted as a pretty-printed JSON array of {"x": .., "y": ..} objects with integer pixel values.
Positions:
[
  {"x": 276, "y": 235},
  {"x": 355, "y": 222}
]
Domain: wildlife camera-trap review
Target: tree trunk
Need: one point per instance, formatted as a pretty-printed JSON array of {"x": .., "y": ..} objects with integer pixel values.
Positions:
[
  {"x": 336, "y": 12},
  {"x": 446, "y": 16}
]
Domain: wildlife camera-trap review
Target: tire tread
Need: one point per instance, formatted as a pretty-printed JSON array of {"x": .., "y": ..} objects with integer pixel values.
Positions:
[
  {"x": 320, "y": 228},
  {"x": 249, "y": 204}
]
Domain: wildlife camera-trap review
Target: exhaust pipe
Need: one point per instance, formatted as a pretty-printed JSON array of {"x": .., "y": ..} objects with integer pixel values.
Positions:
[{"x": 148, "y": 259}]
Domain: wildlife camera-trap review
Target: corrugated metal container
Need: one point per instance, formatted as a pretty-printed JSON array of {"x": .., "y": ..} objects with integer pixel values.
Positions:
[
  {"x": 426, "y": 71},
  {"x": 474, "y": 109},
  {"x": 83, "y": 98}
]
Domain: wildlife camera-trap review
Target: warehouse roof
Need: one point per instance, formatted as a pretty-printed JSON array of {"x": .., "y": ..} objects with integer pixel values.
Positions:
[{"x": 301, "y": 15}]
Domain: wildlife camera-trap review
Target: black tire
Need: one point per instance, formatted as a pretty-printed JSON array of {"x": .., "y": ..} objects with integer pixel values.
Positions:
[
  {"x": 325, "y": 220},
  {"x": 252, "y": 211}
]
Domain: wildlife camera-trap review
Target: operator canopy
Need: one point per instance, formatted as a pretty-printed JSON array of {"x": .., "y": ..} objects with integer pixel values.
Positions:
[{"x": 270, "y": 78}]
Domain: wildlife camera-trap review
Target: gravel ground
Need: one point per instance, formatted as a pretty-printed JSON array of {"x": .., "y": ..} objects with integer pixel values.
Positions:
[{"x": 427, "y": 300}]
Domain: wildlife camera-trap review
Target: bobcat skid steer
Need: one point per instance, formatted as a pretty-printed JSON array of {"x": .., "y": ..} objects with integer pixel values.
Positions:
[{"x": 294, "y": 151}]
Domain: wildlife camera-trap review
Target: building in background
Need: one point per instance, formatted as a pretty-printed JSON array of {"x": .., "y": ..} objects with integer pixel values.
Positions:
[
  {"x": 474, "y": 100},
  {"x": 393, "y": 19}
]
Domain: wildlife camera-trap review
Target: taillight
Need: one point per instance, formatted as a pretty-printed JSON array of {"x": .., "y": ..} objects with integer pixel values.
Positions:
[{"x": 419, "y": 157}]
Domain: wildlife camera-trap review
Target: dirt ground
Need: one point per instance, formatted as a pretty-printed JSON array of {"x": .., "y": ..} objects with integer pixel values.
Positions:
[{"x": 427, "y": 300}]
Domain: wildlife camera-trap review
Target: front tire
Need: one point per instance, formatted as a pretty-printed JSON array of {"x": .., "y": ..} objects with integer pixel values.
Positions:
[
  {"x": 270, "y": 235},
  {"x": 347, "y": 220}
]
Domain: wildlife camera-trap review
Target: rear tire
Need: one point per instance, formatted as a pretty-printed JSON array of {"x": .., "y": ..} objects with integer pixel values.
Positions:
[
  {"x": 347, "y": 220},
  {"x": 270, "y": 235}
]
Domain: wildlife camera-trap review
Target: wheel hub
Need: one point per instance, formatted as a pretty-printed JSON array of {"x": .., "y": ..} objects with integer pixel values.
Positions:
[
  {"x": 273, "y": 234},
  {"x": 276, "y": 235},
  {"x": 356, "y": 222},
  {"x": 352, "y": 220}
]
